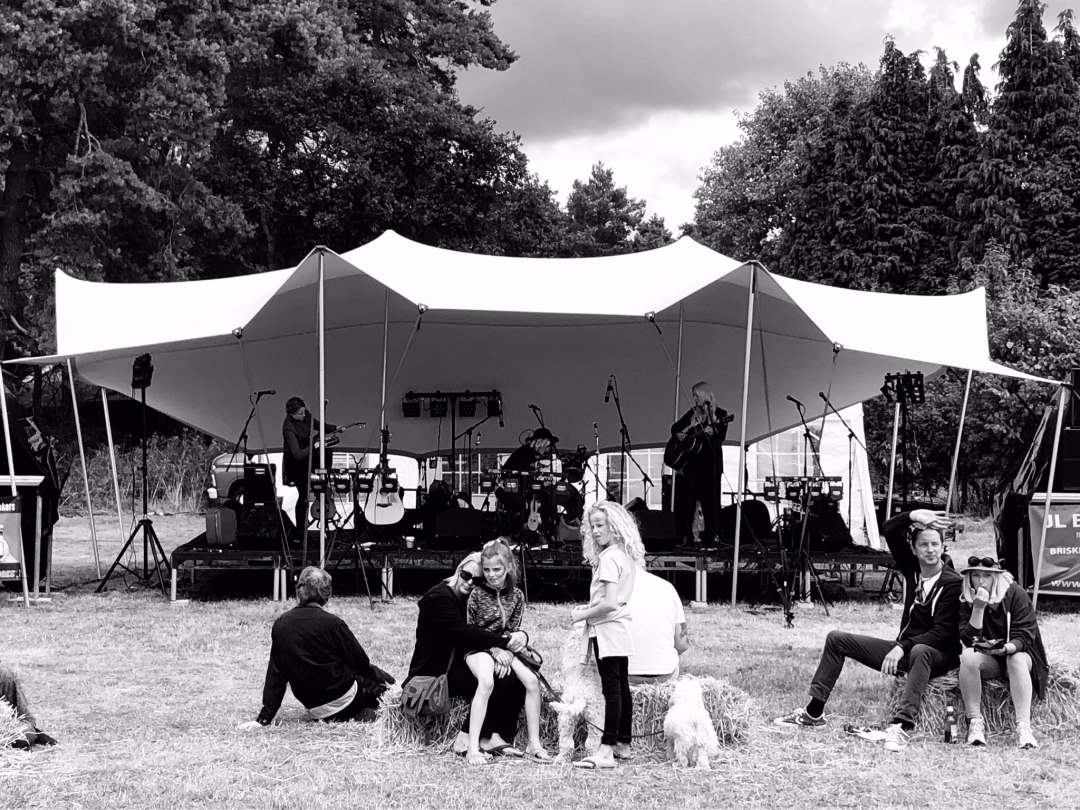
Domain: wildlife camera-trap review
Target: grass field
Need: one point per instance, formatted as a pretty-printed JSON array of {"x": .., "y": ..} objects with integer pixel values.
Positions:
[{"x": 145, "y": 698}]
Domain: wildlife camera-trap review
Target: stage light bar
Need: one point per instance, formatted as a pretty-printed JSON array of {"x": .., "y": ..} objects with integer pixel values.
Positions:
[
  {"x": 439, "y": 408},
  {"x": 411, "y": 407},
  {"x": 466, "y": 408}
]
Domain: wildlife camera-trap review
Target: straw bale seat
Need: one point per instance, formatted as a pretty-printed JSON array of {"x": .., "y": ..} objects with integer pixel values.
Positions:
[
  {"x": 1059, "y": 707},
  {"x": 730, "y": 708}
]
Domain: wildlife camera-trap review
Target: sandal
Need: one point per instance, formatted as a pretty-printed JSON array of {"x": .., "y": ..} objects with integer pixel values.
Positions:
[
  {"x": 539, "y": 756},
  {"x": 482, "y": 758},
  {"x": 592, "y": 764}
]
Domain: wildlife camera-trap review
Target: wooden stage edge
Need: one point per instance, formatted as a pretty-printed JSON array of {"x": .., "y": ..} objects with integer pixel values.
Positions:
[{"x": 196, "y": 555}]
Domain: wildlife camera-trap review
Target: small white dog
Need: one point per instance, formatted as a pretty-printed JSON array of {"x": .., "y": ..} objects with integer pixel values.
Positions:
[
  {"x": 581, "y": 695},
  {"x": 688, "y": 728}
]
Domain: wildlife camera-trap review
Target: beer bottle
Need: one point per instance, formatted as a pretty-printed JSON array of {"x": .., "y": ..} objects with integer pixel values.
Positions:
[{"x": 952, "y": 734}]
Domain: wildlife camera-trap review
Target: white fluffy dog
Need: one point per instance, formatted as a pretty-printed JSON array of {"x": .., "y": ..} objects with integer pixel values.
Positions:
[
  {"x": 688, "y": 728},
  {"x": 581, "y": 696}
]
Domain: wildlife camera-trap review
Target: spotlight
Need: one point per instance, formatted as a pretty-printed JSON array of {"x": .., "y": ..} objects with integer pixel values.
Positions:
[
  {"x": 142, "y": 372},
  {"x": 410, "y": 407},
  {"x": 439, "y": 408},
  {"x": 466, "y": 408}
]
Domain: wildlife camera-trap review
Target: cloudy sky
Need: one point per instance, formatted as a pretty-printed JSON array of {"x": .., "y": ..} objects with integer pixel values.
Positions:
[{"x": 651, "y": 87}]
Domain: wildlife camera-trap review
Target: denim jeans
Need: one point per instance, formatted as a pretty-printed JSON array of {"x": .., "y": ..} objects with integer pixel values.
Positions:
[
  {"x": 618, "y": 704},
  {"x": 921, "y": 664}
]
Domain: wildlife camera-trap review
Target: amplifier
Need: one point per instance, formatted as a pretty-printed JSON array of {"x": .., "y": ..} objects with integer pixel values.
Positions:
[{"x": 259, "y": 527}]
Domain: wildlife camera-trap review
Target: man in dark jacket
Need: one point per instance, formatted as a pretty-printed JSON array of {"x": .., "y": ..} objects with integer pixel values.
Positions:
[
  {"x": 314, "y": 652},
  {"x": 299, "y": 437},
  {"x": 444, "y": 638},
  {"x": 928, "y": 644}
]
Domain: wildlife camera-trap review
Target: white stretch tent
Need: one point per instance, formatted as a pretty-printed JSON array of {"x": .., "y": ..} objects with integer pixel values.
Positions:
[{"x": 541, "y": 331}]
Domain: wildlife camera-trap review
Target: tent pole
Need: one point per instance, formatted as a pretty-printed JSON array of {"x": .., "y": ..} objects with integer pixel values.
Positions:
[
  {"x": 742, "y": 427},
  {"x": 956, "y": 451},
  {"x": 11, "y": 481},
  {"x": 86, "y": 474},
  {"x": 675, "y": 418},
  {"x": 385, "y": 349},
  {"x": 322, "y": 404},
  {"x": 112, "y": 463},
  {"x": 892, "y": 462},
  {"x": 1062, "y": 395}
]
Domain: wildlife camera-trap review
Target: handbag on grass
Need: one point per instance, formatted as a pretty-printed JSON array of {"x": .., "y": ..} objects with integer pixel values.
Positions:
[{"x": 427, "y": 695}]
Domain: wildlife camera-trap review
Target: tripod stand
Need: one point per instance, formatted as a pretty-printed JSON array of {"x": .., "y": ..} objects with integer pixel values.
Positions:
[
  {"x": 361, "y": 558},
  {"x": 151, "y": 544},
  {"x": 804, "y": 562}
]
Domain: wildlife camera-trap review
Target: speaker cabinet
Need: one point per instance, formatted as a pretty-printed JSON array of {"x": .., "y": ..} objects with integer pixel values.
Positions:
[
  {"x": 657, "y": 530},
  {"x": 1067, "y": 473},
  {"x": 458, "y": 529}
]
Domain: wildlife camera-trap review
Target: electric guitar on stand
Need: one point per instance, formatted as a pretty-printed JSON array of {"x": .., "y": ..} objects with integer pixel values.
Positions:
[{"x": 383, "y": 506}]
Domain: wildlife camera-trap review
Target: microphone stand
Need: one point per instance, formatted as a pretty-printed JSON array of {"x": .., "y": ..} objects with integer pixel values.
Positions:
[
  {"x": 625, "y": 448},
  {"x": 243, "y": 440},
  {"x": 804, "y": 561},
  {"x": 469, "y": 432},
  {"x": 851, "y": 439}
]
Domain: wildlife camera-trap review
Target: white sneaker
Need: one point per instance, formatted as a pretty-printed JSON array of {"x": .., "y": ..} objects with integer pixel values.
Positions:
[
  {"x": 976, "y": 731},
  {"x": 1024, "y": 737},
  {"x": 896, "y": 739}
]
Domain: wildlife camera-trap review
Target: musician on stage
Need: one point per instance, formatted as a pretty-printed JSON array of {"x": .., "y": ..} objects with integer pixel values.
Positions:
[
  {"x": 699, "y": 480},
  {"x": 537, "y": 448},
  {"x": 298, "y": 434}
]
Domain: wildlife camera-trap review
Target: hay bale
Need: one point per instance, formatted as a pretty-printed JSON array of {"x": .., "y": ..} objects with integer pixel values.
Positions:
[
  {"x": 1060, "y": 706},
  {"x": 11, "y": 727},
  {"x": 730, "y": 708}
]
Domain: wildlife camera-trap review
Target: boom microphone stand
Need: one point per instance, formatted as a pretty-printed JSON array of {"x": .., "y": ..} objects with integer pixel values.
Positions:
[
  {"x": 141, "y": 374},
  {"x": 852, "y": 439},
  {"x": 625, "y": 448},
  {"x": 803, "y": 561}
]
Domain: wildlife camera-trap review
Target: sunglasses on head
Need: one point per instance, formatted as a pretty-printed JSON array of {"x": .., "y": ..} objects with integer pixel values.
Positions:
[
  {"x": 985, "y": 562},
  {"x": 468, "y": 576}
]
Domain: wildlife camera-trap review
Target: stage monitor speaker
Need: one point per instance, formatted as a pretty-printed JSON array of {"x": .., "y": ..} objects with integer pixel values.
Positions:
[
  {"x": 657, "y": 530},
  {"x": 458, "y": 529},
  {"x": 260, "y": 528},
  {"x": 1067, "y": 473},
  {"x": 259, "y": 485},
  {"x": 756, "y": 522}
]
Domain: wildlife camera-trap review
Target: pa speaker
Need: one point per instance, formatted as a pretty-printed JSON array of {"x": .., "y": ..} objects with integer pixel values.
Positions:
[
  {"x": 458, "y": 529},
  {"x": 657, "y": 530}
]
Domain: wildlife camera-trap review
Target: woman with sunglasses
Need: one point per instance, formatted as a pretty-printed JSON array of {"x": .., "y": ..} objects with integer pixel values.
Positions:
[
  {"x": 443, "y": 637},
  {"x": 1000, "y": 639}
]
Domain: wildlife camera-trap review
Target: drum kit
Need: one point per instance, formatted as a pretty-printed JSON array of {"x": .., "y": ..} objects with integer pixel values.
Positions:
[{"x": 544, "y": 489}]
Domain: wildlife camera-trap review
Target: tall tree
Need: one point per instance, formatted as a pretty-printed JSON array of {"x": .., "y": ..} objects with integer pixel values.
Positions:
[
  {"x": 603, "y": 217},
  {"x": 1024, "y": 191}
]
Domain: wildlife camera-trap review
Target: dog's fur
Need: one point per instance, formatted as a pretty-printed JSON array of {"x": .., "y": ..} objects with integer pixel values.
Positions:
[
  {"x": 582, "y": 697},
  {"x": 688, "y": 728}
]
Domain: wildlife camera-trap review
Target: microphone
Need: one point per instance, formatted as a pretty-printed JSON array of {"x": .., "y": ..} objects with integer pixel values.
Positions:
[
  {"x": 823, "y": 397},
  {"x": 534, "y": 407},
  {"x": 797, "y": 403},
  {"x": 607, "y": 393},
  {"x": 268, "y": 392}
]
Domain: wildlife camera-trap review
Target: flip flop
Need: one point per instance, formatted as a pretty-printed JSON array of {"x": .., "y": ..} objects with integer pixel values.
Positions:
[
  {"x": 623, "y": 757},
  {"x": 590, "y": 764},
  {"x": 504, "y": 750},
  {"x": 540, "y": 757}
]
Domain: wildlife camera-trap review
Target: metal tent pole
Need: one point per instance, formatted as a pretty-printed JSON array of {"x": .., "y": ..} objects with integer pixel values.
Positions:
[
  {"x": 892, "y": 461},
  {"x": 1063, "y": 392},
  {"x": 112, "y": 463},
  {"x": 322, "y": 403},
  {"x": 86, "y": 474},
  {"x": 956, "y": 450},
  {"x": 742, "y": 426}
]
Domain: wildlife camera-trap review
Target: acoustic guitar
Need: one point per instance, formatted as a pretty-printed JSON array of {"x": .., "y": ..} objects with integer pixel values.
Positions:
[
  {"x": 383, "y": 506},
  {"x": 678, "y": 452}
]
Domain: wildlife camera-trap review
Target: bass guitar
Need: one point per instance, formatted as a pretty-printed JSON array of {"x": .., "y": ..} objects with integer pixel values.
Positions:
[
  {"x": 383, "y": 506},
  {"x": 678, "y": 452}
]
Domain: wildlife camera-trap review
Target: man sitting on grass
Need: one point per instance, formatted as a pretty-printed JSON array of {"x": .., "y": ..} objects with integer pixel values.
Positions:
[
  {"x": 316, "y": 654},
  {"x": 28, "y": 734},
  {"x": 928, "y": 644}
]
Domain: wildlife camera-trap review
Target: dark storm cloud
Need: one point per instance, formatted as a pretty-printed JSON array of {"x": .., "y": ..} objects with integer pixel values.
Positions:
[{"x": 595, "y": 65}]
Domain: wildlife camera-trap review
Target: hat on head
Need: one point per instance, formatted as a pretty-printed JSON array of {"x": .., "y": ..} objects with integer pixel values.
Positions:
[
  {"x": 294, "y": 404},
  {"x": 983, "y": 564},
  {"x": 544, "y": 433}
]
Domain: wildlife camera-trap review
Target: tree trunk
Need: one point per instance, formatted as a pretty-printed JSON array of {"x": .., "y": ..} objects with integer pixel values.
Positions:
[{"x": 13, "y": 207}]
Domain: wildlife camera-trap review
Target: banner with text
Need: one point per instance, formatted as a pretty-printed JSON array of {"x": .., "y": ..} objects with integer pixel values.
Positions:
[
  {"x": 10, "y": 537},
  {"x": 1059, "y": 571}
]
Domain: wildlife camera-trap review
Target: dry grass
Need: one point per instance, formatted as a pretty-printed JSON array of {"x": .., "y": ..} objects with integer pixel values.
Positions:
[{"x": 145, "y": 698}]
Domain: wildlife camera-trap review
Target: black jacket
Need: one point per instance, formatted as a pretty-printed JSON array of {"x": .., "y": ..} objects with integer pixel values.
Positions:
[
  {"x": 316, "y": 654},
  {"x": 1013, "y": 620},
  {"x": 935, "y": 621},
  {"x": 442, "y": 628}
]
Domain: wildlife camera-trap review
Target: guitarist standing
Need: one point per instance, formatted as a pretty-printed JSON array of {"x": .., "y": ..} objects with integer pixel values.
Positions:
[
  {"x": 700, "y": 432},
  {"x": 297, "y": 434}
]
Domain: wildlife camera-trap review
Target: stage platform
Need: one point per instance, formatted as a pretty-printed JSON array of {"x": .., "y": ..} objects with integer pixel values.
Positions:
[{"x": 561, "y": 566}]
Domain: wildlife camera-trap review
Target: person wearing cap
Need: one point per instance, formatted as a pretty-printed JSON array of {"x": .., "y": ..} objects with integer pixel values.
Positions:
[
  {"x": 699, "y": 480},
  {"x": 297, "y": 432},
  {"x": 928, "y": 644},
  {"x": 1000, "y": 639}
]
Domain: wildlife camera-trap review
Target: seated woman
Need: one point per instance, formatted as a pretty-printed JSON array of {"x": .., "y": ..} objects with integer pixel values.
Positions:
[
  {"x": 1001, "y": 640},
  {"x": 443, "y": 637},
  {"x": 497, "y": 604}
]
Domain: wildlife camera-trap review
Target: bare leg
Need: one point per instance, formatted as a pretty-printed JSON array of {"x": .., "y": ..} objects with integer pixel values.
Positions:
[
  {"x": 482, "y": 666},
  {"x": 532, "y": 703},
  {"x": 972, "y": 665},
  {"x": 1019, "y": 666}
]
